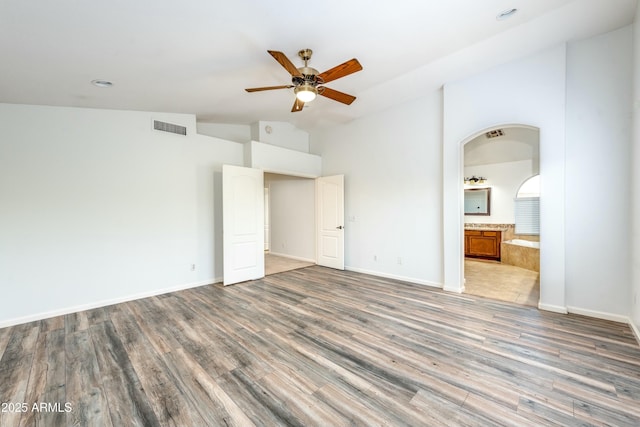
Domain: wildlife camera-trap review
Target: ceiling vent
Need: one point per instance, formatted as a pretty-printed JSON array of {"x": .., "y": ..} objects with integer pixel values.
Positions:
[
  {"x": 494, "y": 133},
  {"x": 169, "y": 127}
]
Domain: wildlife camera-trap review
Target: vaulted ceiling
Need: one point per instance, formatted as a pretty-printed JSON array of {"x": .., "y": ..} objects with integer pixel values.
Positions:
[
  {"x": 514, "y": 144},
  {"x": 197, "y": 56}
]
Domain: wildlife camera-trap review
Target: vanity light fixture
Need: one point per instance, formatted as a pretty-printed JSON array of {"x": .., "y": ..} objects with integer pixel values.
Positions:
[{"x": 474, "y": 180}]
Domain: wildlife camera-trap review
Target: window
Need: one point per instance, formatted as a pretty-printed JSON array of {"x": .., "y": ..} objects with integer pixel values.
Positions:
[{"x": 527, "y": 207}]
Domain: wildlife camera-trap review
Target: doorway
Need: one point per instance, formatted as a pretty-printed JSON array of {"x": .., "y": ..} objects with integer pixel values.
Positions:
[
  {"x": 318, "y": 203},
  {"x": 500, "y": 160},
  {"x": 289, "y": 222}
]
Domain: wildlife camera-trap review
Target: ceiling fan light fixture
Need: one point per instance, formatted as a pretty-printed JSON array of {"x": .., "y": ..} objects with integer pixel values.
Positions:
[
  {"x": 306, "y": 92},
  {"x": 307, "y": 83}
]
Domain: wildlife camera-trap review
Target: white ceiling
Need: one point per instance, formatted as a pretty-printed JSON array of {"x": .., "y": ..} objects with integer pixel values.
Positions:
[
  {"x": 516, "y": 143},
  {"x": 197, "y": 56}
]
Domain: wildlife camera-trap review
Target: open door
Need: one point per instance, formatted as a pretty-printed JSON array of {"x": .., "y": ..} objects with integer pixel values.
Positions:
[
  {"x": 330, "y": 221},
  {"x": 242, "y": 223}
]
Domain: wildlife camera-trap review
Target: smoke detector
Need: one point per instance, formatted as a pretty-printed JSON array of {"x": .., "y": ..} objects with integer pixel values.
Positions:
[{"x": 506, "y": 14}]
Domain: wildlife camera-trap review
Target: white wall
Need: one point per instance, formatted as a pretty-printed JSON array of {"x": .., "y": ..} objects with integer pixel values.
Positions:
[
  {"x": 392, "y": 167},
  {"x": 96, "y": 207},
  {"x": 504, "y": 179},
  {"x": 292, "y": 216},
  {"x": 271, "y": 158},
  {"x": 529, "y": 92},
  {"x": 282, "y": 134},
  {"x": 598, "y": 127},
  {"x": 634, "y": 295},
  {"x": 229, "y": 132}
]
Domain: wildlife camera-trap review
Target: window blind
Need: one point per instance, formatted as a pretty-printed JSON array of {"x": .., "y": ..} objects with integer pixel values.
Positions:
[{"x": 527, "y": 212}]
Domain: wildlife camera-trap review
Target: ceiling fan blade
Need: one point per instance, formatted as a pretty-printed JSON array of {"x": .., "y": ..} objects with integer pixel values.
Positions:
[
  {"x": 336, "y": 95},
  {"x": 285, "y": 62},
  {"x": 297, "y": 106},
  {"x": 344, "y": 69},
  {"x": 258, "y": 89}
]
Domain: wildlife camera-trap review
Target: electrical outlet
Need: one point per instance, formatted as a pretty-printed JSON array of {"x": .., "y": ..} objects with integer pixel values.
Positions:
[
  {"x": 375, "y": 258},
  {"x": 399, "y": 261},
  {"x": 193, "y": 267}
]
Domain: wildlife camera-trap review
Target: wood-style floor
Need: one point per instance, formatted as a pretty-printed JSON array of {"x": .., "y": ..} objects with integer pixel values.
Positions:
[{"x": 319, "y": 347}]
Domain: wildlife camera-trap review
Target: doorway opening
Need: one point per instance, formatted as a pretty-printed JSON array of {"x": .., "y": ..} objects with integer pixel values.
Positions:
[
  {"x": 243, "y": 219},
  {"x": 290, "y": 229},
  {"x": 498, "y": 161}
]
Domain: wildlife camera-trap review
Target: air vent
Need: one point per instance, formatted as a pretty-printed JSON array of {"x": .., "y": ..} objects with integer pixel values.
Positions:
[
  {"x": 169, "y": 127},
  {"x": 494, "y": 133}
]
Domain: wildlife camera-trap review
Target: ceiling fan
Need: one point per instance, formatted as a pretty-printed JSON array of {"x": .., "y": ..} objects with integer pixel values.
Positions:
[{"x": 307, "y": 82}]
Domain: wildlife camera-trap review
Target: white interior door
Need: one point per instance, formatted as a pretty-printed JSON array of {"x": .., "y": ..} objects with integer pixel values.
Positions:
[
  {"x": 330, "y": 221},
  {"x": 267, "y": 226},
  {"x": 243, "y": 224}
]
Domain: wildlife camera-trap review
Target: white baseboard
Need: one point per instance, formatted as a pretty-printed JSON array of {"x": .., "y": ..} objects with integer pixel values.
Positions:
[
  {"x": 297, "y": 258},
  {"x": 454, "y": 290},
  {"x": 83, "y": 307},
  {"x": 394, "y": 276},
  {"x": 598, "y": 314},
  {"x": 635, "y": 330},
  {"x": 553, "y": 308}
]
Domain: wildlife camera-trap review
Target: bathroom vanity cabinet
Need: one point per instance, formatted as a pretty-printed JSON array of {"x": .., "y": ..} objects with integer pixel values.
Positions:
[{"x": 482, "y": 244}]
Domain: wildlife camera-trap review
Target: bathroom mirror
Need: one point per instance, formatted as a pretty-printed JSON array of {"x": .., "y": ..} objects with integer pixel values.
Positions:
[{"x": 477, "y": 201}]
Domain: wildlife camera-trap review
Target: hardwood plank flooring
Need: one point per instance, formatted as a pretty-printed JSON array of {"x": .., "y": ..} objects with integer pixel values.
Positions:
[{"x": 319, "y": 347}]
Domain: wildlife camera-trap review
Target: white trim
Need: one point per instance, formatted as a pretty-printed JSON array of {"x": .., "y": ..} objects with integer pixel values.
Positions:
[
  {"x": 598, "y": 314},
  {"x": 635, "y": 330},
  {"x": 90, "y": 306},
  {"x": 454, "y": 289},
  {"x": 393, "y": 276},
  {"x": 297, "y": 258},
  {"x": 553, "y": 308}
]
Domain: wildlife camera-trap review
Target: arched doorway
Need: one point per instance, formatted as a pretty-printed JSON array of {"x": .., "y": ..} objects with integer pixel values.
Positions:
[{"x": 499, "y": 262}]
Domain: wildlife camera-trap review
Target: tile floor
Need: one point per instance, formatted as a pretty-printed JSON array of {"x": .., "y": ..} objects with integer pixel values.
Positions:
[
  {"x": 502, "y": 282},
  {"x": 277, "y": 264}
]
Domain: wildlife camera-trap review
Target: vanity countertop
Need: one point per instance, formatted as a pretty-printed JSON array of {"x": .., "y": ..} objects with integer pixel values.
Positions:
[{"x": 486, "y": 227}]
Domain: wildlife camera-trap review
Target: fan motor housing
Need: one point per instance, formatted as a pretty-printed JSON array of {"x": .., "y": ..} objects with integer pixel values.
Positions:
[
  {"x": 309, "y": 76},
  {"x": 308, "y": 71}
]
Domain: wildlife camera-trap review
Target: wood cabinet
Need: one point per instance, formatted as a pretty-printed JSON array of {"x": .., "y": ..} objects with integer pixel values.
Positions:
[{"x": 482, "y": 244}]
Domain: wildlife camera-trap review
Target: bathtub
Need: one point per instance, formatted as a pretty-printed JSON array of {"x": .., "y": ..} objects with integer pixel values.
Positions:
[
  {"x": 521, "y": 253},
  {"x": 525, "y": 243}
]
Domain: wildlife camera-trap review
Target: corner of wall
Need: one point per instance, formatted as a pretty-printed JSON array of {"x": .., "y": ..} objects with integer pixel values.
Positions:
[
  {"x": 247, "y": 150},
  {"x": 634, "y": 297}
]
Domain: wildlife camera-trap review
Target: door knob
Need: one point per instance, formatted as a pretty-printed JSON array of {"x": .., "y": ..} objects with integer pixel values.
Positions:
[{"x": 339, "y": 227}]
